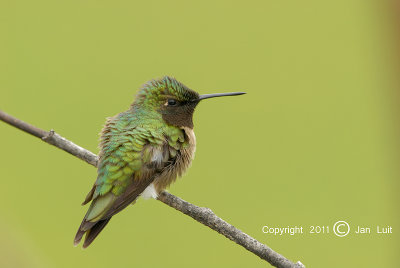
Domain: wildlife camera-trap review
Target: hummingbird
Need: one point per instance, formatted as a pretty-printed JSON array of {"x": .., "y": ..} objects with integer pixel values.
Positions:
[{"x": 142, "y": 151}]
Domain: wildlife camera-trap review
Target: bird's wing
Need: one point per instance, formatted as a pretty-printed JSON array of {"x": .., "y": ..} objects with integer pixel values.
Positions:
[{"x": 130, "y": 159}]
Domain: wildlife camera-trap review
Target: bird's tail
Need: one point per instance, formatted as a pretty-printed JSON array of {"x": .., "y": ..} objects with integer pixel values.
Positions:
[{"x": 92, "y": 230}]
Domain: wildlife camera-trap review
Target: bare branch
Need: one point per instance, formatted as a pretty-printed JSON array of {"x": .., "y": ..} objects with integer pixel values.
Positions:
[
  {"x": 51, "y": 138},
  {"x": 200, "y": 214},
  {"x": 208, "y": 218}
]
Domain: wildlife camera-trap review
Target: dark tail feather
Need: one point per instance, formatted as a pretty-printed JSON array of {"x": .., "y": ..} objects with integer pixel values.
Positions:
[{"x": 92, "y": 230}]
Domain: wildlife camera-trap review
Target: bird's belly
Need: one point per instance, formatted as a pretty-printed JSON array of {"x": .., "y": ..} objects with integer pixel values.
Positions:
[{"x": 150, "y": 192}]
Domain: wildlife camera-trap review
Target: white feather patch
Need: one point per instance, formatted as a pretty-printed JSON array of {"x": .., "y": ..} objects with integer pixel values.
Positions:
[
  {"x": 150, "y": 192},
  {"x": 157, "y": 156}
]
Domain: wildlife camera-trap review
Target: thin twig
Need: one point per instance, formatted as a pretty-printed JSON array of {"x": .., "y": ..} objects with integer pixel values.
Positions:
[
  {"x": 51, "y": 138},
  {"x": 200, "y": 214}
]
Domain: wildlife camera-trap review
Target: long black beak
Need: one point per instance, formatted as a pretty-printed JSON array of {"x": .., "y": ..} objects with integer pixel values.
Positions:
[{"x": 207, "y": 96}]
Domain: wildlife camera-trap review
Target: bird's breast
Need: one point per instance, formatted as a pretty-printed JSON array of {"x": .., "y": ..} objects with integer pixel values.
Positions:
[{"x": 180, "y": 163}]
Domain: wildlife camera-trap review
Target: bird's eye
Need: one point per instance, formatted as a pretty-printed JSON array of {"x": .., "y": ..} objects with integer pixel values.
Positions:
[{"x": 172, "y": 102}]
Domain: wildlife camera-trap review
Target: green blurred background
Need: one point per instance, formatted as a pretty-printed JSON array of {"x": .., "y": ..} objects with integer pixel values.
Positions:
[{"x": 313, "y": 141}]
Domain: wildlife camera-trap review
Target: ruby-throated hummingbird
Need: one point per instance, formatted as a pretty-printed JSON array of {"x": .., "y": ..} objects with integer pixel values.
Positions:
[{"x": 142, "y": 151}]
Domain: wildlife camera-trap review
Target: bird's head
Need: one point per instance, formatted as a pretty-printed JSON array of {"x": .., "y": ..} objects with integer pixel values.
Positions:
[{"x": 172, "y": 99}]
